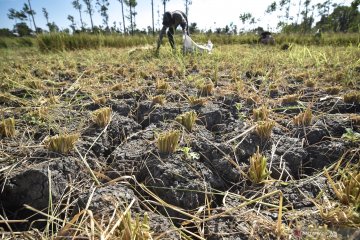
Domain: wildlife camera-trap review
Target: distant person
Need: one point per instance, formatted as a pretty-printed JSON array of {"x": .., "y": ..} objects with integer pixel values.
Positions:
[
  {"x": 171, "y": 21},
  {"x": 318, "y": 36},
  {"x": 266, "y": 38}
]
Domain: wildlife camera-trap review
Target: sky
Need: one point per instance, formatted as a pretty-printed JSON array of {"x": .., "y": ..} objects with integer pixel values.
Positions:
[{"x": 208, "y": 14}]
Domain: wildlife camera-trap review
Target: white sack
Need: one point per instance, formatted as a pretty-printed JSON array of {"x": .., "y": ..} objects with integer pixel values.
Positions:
[{"x": 191, "y": 46}]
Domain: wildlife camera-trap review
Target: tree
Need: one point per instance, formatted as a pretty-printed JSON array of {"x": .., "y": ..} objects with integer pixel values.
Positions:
[
  {"x": 16, "y": 15},
  {"x": 271, "y": 8},
  {"x": 32, "y": 13},
  {"x": 76, "y": 4},
  {"x": 22, "y": 29},
  {"x": 103, "y": 10},
  {"x": 131, "y": 4},
  {"x": 193, "y": 28},
  {"x": 187, "y": 3},
  {"x": 53, "y": 27},
  {"x": 286, "y": 4},
  {"x": 46, "y": 15},
  {"x": 152, "y": 16},
  {"x": 164, "y": 3},
  {"x": 90, "y": 11},
  {"x": 123, "y": 16},
  {"x": 344, "y": 19},
  {"x": 26, "y": 10},
  {"x": 73, "y": 24},
  {"x": 307, "y": 19}
]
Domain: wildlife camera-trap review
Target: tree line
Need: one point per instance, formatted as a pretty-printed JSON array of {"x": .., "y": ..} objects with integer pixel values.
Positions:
[{"x": 333, "y": 17}]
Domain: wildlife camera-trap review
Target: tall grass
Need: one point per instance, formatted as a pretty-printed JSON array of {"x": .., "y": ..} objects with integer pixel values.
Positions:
[
  {"x": 63, "y": 42},
  {"x": 16, "y": 42}
]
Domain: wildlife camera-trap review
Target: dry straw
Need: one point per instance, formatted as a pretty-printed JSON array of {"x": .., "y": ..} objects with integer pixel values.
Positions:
[
  {"x": 62, "y": 143},
  {"x": 263, "y": 129},
  {"x": 258, "y": 170},
  {"x": 102, "y": 116},
  {"x": 304, "y": 118},
  {"x": 7, "y": 127},
  {"x": 187, "y": 120},
  {"x": 168, "y": 142}
]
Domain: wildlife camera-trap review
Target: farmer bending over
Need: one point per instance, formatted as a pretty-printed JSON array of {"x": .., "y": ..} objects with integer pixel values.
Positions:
[{"x": 172, "y": 20}]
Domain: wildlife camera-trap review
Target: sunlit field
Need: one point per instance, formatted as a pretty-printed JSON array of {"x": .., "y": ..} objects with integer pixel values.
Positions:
[{"x": 102, "y": 138}]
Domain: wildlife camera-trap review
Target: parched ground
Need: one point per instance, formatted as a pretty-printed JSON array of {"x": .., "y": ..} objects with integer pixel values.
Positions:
[{"x": 115, "y": 182}]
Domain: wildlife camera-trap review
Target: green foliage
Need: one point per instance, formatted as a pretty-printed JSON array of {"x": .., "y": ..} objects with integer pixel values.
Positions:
[
  {"x": 188, "y": 154},
  {"x": 351, "y": 136}
]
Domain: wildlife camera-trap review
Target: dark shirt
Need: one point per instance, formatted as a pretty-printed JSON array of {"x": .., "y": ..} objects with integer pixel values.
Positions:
[{"x": 173, "y": 20}]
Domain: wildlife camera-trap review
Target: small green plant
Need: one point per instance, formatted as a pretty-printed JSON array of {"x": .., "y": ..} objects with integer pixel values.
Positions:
[
  {"x": 7, "y": 127},
  {"x": 352, "y": 97},
  {"x": 168, "y": 142},
  {"x": 303, "y": 118},
  {"x": 102, "y": 116},
  {"x": 351, "y": 136},
  {"x": 195, "y": 101},
  {"x": 263, "y": 129},
  {"x": 261, "y": 113},
  {"x": 258, "y": 170},
  {"x": 159, "y": 99},
  {"x": 62, "y": 143},
  {"x": 239, "y": 107},
  {"x": 187, "y": 119},
  {"x": 290, "y": 99},
  {"x": 188, "y": 154},
  {"x": 133, "y": 229}
]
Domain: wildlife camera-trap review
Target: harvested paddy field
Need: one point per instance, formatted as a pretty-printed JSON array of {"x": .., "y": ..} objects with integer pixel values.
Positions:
[{"x": 247, "y": 142}]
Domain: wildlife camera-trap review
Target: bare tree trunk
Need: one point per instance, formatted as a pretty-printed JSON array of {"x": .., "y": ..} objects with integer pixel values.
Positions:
[
  {"x": 298, "y": 14},
  {"x": 82, "y": 23},
  {"x": 152, "y": 12},
  {"x": 123, "y": 16},
  {"x": 32, "y": 16},
  {"x": 131, "y": 21}
]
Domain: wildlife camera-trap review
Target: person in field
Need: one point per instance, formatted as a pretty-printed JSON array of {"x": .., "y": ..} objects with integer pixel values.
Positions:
[
  {"x": 171, "y": 21},
  {"x": 266, "y": 38}
]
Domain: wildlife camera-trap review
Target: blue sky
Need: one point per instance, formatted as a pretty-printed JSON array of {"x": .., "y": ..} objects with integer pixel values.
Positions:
[{"x": 206, "y": 13}]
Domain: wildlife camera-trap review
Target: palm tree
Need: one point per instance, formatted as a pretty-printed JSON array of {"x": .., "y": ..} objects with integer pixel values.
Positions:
[
  {"x": 103, "y": 10},
  {"x": 131, "y": 4},
  {"x": 152, "y": 15},
  {"x": 90, "y": 11},
  {"x": 187, "y": 3},
  {"x": 32, "y": 13},
  {"x": 76, "y": 4},
  {"x": 46, "y": 15},
  {"x": 123, "y": 16},
  {"x": 164, "y": 3}
]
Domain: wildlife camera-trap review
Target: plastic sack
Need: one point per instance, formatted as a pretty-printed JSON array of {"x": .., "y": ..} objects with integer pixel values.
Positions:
[{"x": 191, "y": 46}]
